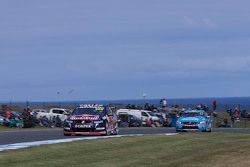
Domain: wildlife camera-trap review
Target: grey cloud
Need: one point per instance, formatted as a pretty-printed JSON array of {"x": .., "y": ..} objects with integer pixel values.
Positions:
[{"x": 121, "y": 45}]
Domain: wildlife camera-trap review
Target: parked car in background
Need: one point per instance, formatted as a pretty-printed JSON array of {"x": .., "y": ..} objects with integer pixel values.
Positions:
[
  {"x": 194, "y": 120},
  {"x": 2, "y": 113},
  {"x": 3, "y": 120},
  {"x": 144, "y": 115},
  {"x": 15, "y": 119},
  {"x": 163, "y": 119},
  {"x": 16, "y": 114},
  {"x": 127, "y": 120},
  {"x": 36, "y": 111},
  {"x": 53, "y": 112}
]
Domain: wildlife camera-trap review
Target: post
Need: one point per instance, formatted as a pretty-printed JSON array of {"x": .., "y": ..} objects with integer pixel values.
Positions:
[
  {"x": 245, "y": 122},
  {"x": 144, "y": 95}
]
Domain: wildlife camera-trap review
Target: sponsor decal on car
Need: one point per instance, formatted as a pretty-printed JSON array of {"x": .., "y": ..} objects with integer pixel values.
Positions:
[
  {"x": 190, "y": 125},
  {"x": 91, "y": 106},
  {"x": 85, "y": 117},
  {"x": 83, "y": 126},
  {"x": 193, "y": 119}
]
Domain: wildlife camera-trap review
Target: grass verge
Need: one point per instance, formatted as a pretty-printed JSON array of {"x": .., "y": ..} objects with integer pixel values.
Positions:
[{"x": 190, "y": 149}]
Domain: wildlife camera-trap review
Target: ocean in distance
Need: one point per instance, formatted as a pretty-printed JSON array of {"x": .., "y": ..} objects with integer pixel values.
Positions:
[{"x": 223, "y": 103}]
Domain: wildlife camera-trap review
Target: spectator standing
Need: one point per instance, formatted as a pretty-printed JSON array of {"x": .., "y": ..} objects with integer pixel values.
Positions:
[
  {"x": 45, "y": 121},
  {"x": 58, "y": 121},
  {"x": 232, "y": 121},
  {"x": 26, "y": 113},
  {"x": 163, "y": 103},
  {"x": 148, "y": 123},
  {"x": 237, "y": 112},
  {"x": 8, "y": 114},
  {"x": 214, "y": 105},
  {"x": 147, "y": 107},
  {"x": 53, "y": 121}
]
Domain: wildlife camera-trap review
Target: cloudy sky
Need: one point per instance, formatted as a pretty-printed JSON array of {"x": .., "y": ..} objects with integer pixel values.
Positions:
[{"x": 120, "y": 49}]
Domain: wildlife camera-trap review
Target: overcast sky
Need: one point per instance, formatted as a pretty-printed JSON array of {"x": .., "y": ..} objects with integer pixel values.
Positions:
[{"x": 121, "y": 49}]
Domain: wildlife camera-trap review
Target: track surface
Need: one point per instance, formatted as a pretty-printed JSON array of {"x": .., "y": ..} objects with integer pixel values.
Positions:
[{"x": 39, "y": 135}]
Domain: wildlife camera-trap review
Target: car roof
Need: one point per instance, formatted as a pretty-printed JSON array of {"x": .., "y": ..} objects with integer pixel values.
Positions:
[
  {"x": 58, "y": 109},
  {"x": 40, "y": 109},
  {"x": 91, "y": 105},
  {"x": 194, "y": 111}
]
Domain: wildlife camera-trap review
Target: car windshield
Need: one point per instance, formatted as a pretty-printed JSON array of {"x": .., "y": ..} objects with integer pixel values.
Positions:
[
  {"x": 91, "y": 111},
  {"x": 68, "y": 111},
  {"x": 152, "y": 114},
  {"x": 191, "y": 114},
  {"x": 132, "y": 117}
]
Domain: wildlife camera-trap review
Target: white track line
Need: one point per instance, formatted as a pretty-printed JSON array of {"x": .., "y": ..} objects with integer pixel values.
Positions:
[{"x": 47, "y": 142}]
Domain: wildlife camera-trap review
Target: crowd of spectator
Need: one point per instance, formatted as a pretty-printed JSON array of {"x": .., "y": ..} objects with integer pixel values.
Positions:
[
  {"x": 24, "y": 119},
  {"x": 166, "y": 114}
]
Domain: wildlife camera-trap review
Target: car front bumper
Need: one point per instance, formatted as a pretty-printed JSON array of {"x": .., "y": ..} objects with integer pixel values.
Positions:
[
  {"x": 84, "y": 133},
  {"x": 194, "y": 127}
]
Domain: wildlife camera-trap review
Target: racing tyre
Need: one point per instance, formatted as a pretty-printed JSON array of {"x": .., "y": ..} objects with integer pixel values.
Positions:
[
  {"x": 208, "y": 129},
  {"x": 107, "y": 133}
]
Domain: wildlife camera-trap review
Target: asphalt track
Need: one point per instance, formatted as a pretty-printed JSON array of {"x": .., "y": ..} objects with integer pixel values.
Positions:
[{"x": 21, "y": 136}]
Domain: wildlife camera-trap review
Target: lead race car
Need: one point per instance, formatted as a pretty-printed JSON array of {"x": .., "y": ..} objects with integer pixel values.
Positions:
[
  {"x": 91, "y": 119},
  {"x": 194, "y": 120}
]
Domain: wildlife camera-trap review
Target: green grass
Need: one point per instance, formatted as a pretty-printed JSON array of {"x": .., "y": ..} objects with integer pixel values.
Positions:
[{"x": 189, "y": 149}]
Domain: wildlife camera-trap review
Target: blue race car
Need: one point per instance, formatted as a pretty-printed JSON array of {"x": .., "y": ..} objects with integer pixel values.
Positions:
[{"x": 194, "y": 120}]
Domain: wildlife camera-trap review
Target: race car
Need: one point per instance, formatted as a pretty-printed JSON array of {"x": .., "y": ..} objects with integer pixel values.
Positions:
[
  {"x": 91, "y": 119},
  {"x": 194, "y": 120}
]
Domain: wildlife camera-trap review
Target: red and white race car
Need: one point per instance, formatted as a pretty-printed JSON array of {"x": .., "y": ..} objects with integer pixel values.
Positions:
[{"x": 91, "y": 120}]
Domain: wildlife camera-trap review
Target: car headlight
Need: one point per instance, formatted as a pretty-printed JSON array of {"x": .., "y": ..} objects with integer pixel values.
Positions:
[
  {"x": 98, "y": 122},
  {"x": 202, "y": 122},
  {"x": 178, "y": 121},
  {"x": 69, "y": 121}
]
